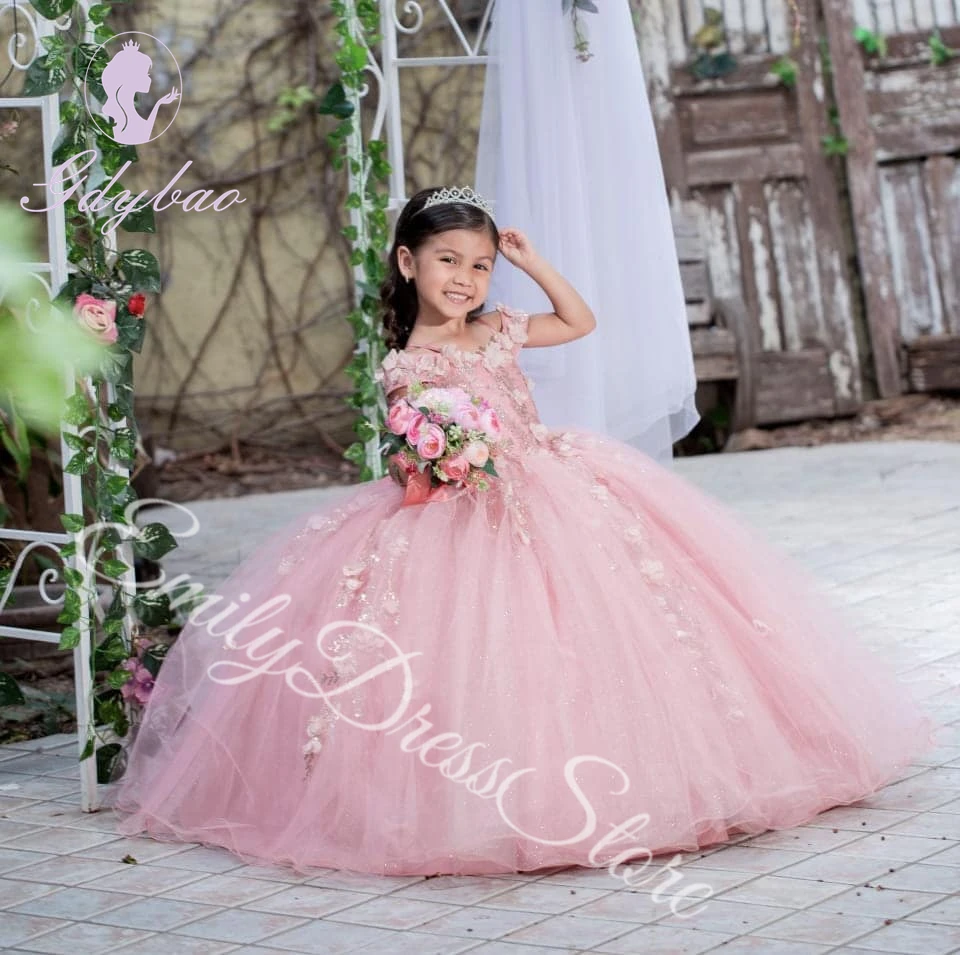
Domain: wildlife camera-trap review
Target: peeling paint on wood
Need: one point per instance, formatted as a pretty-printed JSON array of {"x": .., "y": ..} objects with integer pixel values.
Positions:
[
  {"x": 911, "y": 248},
  {"x": 801, "y": 298},
  {"x": 769, "y": 312}
]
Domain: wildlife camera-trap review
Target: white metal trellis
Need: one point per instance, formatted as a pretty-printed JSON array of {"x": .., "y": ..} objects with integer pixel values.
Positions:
[
  {"x": 390, "y": 26},
  {"x": 24, "y": 46}
]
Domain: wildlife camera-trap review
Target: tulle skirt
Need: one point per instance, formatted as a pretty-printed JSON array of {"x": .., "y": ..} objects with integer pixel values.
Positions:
[{"x": 593, "y": 659}]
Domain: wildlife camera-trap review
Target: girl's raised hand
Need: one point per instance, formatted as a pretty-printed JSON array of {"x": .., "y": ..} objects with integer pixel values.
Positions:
[{"x": 517, "y": 248}]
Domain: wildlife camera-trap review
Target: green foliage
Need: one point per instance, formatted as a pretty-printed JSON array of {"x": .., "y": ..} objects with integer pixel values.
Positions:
[
  {"x": 835, "y": 143},
  {"x": 10, "y": 693},
  {"x": 940, "y": 53},
  {"x": 580, "y": 42},
  {"x": 874, "y": 44},
  {"x": 368, "y": 232},
  {"x": 99, "y": 431},
  {"x": 785, "y": 70}
]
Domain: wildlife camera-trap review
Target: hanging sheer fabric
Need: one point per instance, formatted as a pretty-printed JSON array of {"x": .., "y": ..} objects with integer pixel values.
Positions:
[{"x": 568, "y": 153}]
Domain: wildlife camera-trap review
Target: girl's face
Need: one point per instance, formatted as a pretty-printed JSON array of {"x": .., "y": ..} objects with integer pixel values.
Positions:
[{"x": 451, "y": 271}]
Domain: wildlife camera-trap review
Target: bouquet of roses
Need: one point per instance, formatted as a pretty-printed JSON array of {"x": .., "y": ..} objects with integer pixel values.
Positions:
[{"x": 442, "y": 437}]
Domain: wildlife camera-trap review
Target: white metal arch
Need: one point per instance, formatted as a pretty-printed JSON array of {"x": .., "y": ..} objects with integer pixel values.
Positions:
[{"x": 27, "y": 32}]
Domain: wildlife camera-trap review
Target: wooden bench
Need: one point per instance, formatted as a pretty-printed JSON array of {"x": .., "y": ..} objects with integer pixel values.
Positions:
[{"x": 720, "y": 330}]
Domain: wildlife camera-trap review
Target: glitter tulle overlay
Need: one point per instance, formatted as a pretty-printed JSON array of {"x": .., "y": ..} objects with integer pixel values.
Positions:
[{"x": 495, "y": 681}]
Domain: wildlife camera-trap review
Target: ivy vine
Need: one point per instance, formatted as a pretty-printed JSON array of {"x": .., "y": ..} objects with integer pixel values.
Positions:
[
  {"x": 107, "y": 292},
  {"x": 358, "y": 24}
]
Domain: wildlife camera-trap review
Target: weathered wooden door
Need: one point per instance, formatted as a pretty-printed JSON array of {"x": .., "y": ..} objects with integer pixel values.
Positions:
[
  {"x": 900, "y": 110},
  {"x": 803, "y": 233}
]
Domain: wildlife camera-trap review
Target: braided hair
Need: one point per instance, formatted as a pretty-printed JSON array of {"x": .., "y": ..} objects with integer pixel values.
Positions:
[{"x": 415, "y": 225}]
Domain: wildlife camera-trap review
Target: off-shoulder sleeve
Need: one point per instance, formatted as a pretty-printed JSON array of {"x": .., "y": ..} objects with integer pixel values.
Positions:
[
  {"x": 392, "y": 374},
  {"x": 515, "y": 323},
  {"x": 400, "y": 369}
]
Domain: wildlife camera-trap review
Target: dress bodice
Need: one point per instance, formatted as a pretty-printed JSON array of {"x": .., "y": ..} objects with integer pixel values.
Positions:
[{"x": 491, "y": 372}]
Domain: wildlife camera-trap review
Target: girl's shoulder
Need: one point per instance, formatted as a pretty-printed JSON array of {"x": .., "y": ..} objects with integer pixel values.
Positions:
[{"x": 400, "y": 364}]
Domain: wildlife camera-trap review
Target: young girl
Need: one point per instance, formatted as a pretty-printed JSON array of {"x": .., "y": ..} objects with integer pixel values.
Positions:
[{"x": 586, "y": 661}]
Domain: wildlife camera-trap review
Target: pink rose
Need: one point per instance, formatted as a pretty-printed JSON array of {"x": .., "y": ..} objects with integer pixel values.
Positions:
[
  {"x": 490, "y": 423},
  {"x": 400, "y": 416},
  {"x": 432, "y": 443},
  {"x": 98, "y": 316},
  {"x": 415, "y": 427},
  {"x": 468, "y": 417},
  {"x": 455, "y": 468},
  {"x": 476, "y": 453}
]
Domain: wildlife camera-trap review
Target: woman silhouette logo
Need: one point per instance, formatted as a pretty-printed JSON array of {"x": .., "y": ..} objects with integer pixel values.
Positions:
[{"x": 127, "y": 74}]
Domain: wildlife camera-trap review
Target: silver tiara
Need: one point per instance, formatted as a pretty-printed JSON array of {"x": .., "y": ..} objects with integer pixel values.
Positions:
[{"x": 459, "y": 194}]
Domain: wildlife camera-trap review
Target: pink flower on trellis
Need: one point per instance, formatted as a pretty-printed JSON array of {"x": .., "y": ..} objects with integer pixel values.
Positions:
[
  {"x": 140, "y": 685},
  {"x": 97, "y": 315}
]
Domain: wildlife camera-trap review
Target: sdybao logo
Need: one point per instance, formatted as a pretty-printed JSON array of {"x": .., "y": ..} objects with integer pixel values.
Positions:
[{"x": 126, "y": 74}]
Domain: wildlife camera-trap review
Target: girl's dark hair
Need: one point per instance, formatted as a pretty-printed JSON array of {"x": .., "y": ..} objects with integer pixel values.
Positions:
[{"x": 415, "y": 225}]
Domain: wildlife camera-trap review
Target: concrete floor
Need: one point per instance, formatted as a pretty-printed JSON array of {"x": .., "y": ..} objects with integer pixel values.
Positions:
[{"x": 879, "y": 527}]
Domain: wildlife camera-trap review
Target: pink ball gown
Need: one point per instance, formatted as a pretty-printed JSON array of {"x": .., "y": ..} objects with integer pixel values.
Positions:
[{"x": 591, "y": 656}]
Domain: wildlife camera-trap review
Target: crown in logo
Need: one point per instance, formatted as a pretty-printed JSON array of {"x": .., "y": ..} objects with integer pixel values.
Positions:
[
  {"x": 459, "y": 194},
  {"x": 131, "y": 45}
]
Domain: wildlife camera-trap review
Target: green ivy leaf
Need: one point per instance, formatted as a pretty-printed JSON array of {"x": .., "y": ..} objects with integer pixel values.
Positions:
[
  {"x": 153, "y": 608},
  {"x": 75, "y": 442},
  {"x": 10, "y": 692},
  {"x": 102, "y": 34},
  {"x": 74, "y": 523},
  {"x": 69, "y": 639},
  {"x": 116, "y": 484},
  {"x": 45, "y": 75},
  {"x": 52, "y": 9},
  {"x": 140, "y": 220},
  {"x": 140, "y": 269},
  {"x": 113, "y": 627},
  {"x": 77, "y": 410},
  {"x": 365, "y": 430},
  {"x": 76, "y": 284},
  {"x": 89, "y": 55},
  {"x": 114, "y": 364},
  {"x": 130, "y": 331},
  {"x": 71, "y": 141},
  {"x": 335, "y": 103},
  {"x": 114, "y": 568},
  {"x": 99, "y": 12},
  {"x": 356, "y": 453},
  {"x": 109, "y": 756},
  {"x": 80, "y": 463},
  {"x": 153, "y": 541},
  {"x": 71, "y": 607},
  {"x": 124, "y": 445},
  {"x": 73, "y": 577}
]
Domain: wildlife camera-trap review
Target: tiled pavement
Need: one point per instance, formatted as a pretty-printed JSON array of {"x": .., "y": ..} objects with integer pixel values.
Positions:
[{"x": 878, "y": 524}]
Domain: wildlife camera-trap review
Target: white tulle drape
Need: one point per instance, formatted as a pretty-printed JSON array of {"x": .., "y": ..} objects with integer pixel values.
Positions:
[{"x": 568, "y": 153}]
